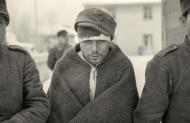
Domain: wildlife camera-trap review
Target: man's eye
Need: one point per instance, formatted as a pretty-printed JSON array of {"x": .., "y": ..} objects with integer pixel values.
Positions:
[
  {"x": 86, "y": 41},
  {"x": 101, "y": 41}
]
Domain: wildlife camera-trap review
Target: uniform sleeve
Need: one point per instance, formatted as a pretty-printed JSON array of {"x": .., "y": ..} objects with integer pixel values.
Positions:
[
  {"x": 35, "y": 102},
  {"x": 64, "y": 104},
  {"x": 51, "y": 60},
  {"x": 155, "y": 97},
  {"x": 116, "y": 104}
]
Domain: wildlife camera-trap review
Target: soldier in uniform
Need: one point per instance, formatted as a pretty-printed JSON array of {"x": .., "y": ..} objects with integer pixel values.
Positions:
[
  {"x": 22, "y": 97},
  {"x": 59, "y": 50},
  {"x": 166, "y": 95},
  {"x": 94, "y": 82}
]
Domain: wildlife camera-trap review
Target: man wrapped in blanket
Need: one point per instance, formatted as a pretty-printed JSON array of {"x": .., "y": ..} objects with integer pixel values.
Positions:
[{"x": 94, "y": 82}]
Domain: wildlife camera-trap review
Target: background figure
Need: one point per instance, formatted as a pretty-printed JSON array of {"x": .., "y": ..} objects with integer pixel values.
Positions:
[
  {"x": 59, "y": 50},
  {"x": 166, "y": 97},
  {"x": 22, "y": 97},
  {"x": 94, "y": 82}
]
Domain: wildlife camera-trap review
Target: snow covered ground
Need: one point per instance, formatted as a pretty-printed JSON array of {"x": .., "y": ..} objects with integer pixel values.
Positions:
[{"x": 139, "y": 64}]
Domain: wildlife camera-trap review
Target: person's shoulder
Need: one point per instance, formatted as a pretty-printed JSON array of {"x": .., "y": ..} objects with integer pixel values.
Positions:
[
  {"x": 53, "y": 49},
  {"x": 163, "y": 56},
  {"x": 168, "y": 50},
  {"x": 69, "y": 55},
  {"x": 67, "y": 61},
  {"x": 14, "y": 53},
  {"x": 18, "y": 49},
  {"x": 119, "y": 56},
  {"x": 117, "y": 51}
]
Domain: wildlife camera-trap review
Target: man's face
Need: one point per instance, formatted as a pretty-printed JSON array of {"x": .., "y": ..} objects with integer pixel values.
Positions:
[
  {"x": 62, "y": 40},
  {"x": 95, "y": 50},
  {"x": 2, "y": 29},
  {"x": 185, "y": 20}
]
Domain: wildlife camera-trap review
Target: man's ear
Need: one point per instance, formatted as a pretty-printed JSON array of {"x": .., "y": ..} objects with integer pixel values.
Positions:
[{"x": 183, "y": 20}]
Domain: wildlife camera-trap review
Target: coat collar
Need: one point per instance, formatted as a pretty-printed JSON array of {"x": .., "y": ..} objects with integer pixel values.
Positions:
[
  {"x": 83, "y": 58},
  {"x": 113, "y": 55}
]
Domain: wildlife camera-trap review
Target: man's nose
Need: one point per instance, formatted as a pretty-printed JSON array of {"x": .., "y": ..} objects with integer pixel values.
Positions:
[{"x": 94, "y": 46}]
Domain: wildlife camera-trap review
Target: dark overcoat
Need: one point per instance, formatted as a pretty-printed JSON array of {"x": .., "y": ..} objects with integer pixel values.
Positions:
[
  {"x": 115, "y": 97},
  {"x": 22, "y": 97},
  {"x": 166, "y": 95}
]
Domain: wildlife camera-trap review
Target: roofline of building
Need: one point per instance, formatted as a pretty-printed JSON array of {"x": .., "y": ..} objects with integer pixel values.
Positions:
[{"x": 120, "y": 4}]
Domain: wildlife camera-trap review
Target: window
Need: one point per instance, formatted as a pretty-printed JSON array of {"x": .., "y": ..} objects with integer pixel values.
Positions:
[
  {"x": 147, "y": 40},
  {"x": 147, "y": 12},
  {"x": 146, "y": 48}
]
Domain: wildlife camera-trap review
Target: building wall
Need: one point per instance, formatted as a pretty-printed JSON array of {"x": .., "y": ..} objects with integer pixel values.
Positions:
[{"x": 131, "y": 26}]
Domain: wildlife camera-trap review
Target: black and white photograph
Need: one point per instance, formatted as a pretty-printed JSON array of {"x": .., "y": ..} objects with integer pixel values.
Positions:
[{"x": 94, "y": 61}]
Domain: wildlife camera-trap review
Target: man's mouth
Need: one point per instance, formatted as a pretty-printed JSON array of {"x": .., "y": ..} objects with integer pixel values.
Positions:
[{"x": 94, "y": 56}]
